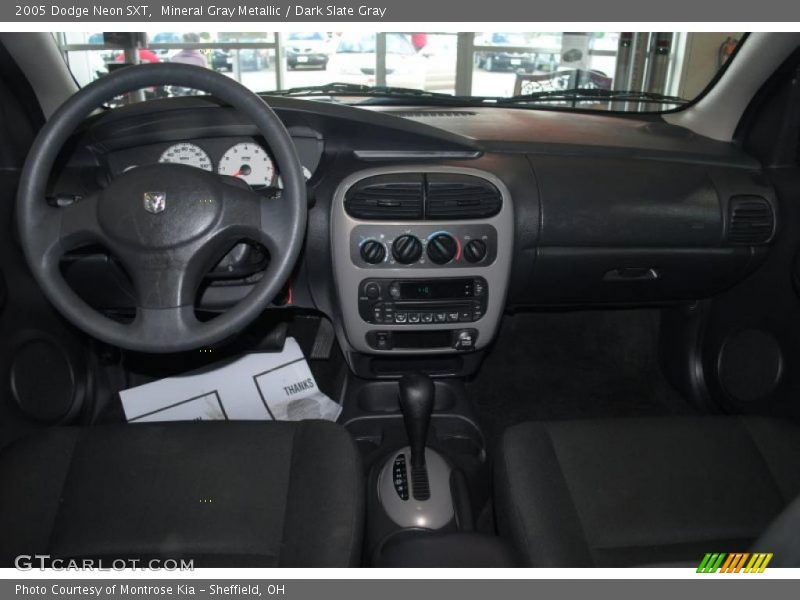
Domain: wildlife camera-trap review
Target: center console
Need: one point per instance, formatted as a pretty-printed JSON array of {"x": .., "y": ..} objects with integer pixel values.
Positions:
[
  {"x": 421, "y": 258},
  {"x": 421, "y": 263},
  {"x": 422, "y": 491}
]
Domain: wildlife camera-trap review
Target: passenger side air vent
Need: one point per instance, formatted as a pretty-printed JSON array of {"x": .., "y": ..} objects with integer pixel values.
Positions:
[
  {"x": 452, "y": 196},
  {"x": 750, "y": 220},
  {"x": 386, "y": 197}
]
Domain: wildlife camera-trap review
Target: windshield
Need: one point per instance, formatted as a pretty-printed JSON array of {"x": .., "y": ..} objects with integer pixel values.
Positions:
[
  {"x": 301, "y": 35},
  {"x": 507, "y": 39},
  {"x": 619, "y": 71},
  {"x": 396, "y": 43}
]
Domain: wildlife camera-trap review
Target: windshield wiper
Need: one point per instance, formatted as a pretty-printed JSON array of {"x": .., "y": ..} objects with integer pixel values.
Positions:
[
  {"x": 356, "y": 89},
  {"x": 572, "y": 95},
  {"x": 575, "y": 95}
]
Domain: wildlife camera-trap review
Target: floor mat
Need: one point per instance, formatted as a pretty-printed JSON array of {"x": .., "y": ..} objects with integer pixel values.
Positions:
[
  {"x": 572, "y": 365},
  {"x": 255, "y": 386},
  {"x": 137, "y": 369}
]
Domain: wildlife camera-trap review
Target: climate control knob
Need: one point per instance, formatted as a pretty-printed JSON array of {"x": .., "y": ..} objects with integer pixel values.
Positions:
[
  {"x": 406, "y": 249},
  {"x": 475, "y": 251},
  {"x": 373, "y": 252},
  {"x": 442, "y": 248}
]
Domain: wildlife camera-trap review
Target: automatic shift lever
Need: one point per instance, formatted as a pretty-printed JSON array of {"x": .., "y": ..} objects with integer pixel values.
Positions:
[
  {"x": 416, "y": 403},
  {"x": 414, "y": 483}
]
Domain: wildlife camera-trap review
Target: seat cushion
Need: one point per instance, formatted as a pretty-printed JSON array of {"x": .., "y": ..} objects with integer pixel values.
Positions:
[
  {"x": 223, "y": 494},
  {"x": 642, "y": 491}
]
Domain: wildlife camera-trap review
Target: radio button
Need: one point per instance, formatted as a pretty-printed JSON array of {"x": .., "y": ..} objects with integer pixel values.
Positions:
[
  {"x": 400, "y": 317},
  {"x": 372, "y": 290},
  {"x": 478, "y": 287},
  {"x": 452, "y": 317},
  {"x": 413, "y": 317},
  {"x": 440, "y": 317},
  {"x": 465, "y": 315},
  {"x": 394, "y": 290},
  {"x": 427, "y": 317}
]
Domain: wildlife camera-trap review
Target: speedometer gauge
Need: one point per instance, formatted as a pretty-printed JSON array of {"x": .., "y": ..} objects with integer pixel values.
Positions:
[
  {"x": 187, "y": 154},
  {"x": 249, "y": 162}
]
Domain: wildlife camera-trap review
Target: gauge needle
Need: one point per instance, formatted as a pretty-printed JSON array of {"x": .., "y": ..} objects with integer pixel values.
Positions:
[{"x": 244, "y": 170}]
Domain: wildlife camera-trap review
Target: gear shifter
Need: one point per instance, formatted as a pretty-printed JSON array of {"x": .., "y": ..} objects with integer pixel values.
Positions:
[
  {"x": 414, "y": 483},
  {"x": 416, "y": 404}
]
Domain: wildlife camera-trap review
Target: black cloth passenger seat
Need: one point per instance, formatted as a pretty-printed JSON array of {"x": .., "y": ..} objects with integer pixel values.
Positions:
[{"x": 648, "y": 491}]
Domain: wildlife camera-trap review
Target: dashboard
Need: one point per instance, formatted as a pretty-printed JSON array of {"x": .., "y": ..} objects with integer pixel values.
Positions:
[{"x": 426, "y": 225}]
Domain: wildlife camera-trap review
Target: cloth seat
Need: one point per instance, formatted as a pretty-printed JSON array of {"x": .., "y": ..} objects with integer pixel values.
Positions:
[
  {"x": 221, "y": 493},
  {"x": 649, "y": 491}
]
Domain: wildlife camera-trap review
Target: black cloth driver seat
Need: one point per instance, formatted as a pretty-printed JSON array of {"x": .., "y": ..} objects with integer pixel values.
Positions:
[{"x": 222, "y": 493}]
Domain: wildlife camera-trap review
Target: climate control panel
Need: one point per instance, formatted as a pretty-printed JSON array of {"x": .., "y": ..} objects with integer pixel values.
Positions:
[{"x": 423, "y": 246}]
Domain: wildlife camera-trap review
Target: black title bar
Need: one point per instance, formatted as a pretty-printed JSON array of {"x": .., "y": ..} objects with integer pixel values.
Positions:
[{"x": 435, "y": 11}]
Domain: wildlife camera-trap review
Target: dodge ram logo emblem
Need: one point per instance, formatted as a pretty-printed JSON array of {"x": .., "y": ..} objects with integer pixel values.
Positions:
[{"x": 155, "y": 202}]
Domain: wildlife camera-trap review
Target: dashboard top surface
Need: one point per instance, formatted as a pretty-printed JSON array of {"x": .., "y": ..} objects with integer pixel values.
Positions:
[{"x": 468, "y": 130}]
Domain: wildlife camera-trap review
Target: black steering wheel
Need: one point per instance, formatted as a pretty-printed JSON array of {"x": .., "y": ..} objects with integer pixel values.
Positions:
[{"x": 167, "y": 224}]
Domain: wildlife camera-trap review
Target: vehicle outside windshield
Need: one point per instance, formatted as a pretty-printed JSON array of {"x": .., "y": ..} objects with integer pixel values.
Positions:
[{"x": 620, "y": 71}]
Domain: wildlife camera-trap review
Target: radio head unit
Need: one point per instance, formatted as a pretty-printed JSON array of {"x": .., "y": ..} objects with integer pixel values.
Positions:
[{"x": 423, "y": 302}]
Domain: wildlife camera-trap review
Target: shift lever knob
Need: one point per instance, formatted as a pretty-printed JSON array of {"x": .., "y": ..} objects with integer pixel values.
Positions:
[{"x": 416, "y": 403}]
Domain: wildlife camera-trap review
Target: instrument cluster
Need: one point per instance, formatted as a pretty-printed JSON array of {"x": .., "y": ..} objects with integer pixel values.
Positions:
[{"x": 244, "y": 158}]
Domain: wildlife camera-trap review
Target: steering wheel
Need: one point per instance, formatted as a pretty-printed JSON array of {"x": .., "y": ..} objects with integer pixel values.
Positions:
[{"x": 167, "y": 224}]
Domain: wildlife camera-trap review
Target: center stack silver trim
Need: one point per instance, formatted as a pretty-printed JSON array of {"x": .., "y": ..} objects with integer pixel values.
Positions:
[{"x": 348, "y": 275}]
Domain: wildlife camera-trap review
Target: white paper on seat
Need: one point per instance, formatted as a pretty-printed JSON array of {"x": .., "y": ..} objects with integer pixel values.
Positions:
[{"x": 261, "y": 386}]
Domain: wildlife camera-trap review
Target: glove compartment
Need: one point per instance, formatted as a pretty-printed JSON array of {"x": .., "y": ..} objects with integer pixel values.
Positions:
[{"x": 626, "y": 230}]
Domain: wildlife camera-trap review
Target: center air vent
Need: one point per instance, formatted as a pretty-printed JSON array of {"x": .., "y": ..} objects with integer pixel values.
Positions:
[
  {"x": 750, "y": 220},
  {"x": 386, "y": 197},
  {"x": 452, "y": 196},
  {"x": 414, "y": 196}
]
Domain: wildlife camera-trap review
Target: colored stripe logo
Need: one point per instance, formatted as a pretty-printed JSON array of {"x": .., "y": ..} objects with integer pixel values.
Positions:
[{"x": 737, "y": 562}]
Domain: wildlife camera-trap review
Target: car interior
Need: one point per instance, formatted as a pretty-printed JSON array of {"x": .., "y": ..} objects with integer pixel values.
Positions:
[{"x": 559, "y": 337}]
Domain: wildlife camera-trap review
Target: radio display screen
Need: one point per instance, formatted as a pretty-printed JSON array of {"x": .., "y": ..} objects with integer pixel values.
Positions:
[{"x": 432, "y": 289}]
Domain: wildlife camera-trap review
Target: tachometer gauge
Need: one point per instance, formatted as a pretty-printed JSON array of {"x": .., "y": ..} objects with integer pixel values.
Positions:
[
  {"x": 187, "y": 154},
  {"x": 249, "y": 162}
]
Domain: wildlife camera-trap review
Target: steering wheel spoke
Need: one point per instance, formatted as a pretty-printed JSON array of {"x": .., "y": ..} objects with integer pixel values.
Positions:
[
  {"x": 162, "y": 325},
  {"x": 248, "y": 215},
  {"x": 166, "y": 279},
  {"x": 66, "y": 228},
  {"x": 79, "y": 222},
  {"x": 275, "y": 226}
]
